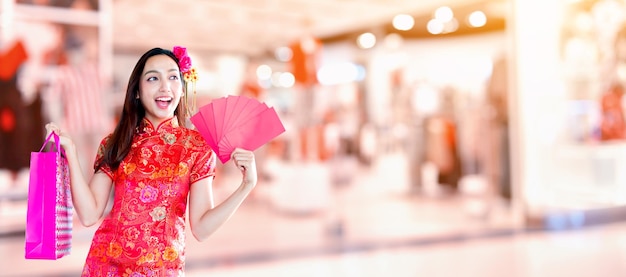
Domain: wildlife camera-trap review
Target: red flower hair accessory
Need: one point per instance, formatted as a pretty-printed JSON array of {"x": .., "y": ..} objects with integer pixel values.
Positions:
[
  {"x": 184, "y": 61},
  {"x": 189, "y": 75}
]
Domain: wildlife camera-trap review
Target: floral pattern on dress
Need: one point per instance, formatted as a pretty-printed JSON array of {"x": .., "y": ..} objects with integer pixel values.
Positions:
[{"x": 144, "y": 233}]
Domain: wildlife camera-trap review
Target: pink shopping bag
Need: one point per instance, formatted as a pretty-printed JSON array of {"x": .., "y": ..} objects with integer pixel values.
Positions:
[{"x": 49, "y": 211}]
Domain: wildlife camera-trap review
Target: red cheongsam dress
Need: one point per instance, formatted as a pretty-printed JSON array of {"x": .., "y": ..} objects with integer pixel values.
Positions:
[{"x": 144, "y": 233}]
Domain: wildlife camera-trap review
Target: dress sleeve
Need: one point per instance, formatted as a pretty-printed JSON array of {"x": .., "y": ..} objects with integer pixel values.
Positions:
[
  {"x": 99, "y": 156},
  {"x": 204, "y": 162}
]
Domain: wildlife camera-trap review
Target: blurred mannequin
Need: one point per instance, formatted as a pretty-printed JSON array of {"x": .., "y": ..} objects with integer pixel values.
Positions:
[
  {"x": 442, "y": 142},
  {"x": 498, "y": 158},
  {"x": 612, "y": 125},
  {"x": 77, "y": 96}
]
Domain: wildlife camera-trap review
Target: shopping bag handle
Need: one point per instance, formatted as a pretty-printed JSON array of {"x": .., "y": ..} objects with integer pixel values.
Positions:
[{"x": 56, "y": 141}]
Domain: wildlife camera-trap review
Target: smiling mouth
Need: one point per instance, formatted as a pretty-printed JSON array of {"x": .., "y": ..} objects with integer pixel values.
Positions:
[{"x": 163, "y": 102}]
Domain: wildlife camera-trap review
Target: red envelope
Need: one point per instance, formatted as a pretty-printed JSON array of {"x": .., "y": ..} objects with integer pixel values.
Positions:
[
  {"x": 233, "y": 122},
  {"x": 203, "y": 122},
  {"x": 257, "y": 131}
]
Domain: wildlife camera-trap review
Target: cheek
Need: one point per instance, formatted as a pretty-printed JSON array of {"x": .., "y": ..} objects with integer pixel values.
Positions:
[
  {"x": 176, "y": 101},
  {"x": 142, "y": 95},
  {"x": 178, "y": 90},
  {"x": 143, "y": 100},
  {"x": 145, "y": 89},
  {"x": 178, "y": 94}
]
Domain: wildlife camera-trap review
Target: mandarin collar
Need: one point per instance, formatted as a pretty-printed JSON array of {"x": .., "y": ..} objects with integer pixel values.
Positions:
[{"x": 165, "y": 126}]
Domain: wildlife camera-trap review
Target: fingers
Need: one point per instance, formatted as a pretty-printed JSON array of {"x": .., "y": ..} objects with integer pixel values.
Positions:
[
  {"x": 52, "y": 128},
  {"x": 242, "y": 154},
  {"x": 243, "y": 158}
]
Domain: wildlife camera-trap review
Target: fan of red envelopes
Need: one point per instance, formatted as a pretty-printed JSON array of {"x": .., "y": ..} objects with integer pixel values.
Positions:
[{"x": 233, "y": 122}]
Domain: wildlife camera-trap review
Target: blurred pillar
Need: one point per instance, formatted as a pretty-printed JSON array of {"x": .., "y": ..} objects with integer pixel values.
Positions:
[
  {"x": 378, "y": 83},
  {"x": 534, "y": 74}
]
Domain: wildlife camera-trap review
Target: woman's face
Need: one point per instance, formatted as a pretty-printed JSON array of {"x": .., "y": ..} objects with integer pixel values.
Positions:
[{"x": 160, "y": 88}]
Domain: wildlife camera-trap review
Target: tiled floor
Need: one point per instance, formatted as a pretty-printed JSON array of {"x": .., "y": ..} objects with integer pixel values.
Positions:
[
  {"x": 598, "y": 251},
  {"x": 385, "y": 231}
]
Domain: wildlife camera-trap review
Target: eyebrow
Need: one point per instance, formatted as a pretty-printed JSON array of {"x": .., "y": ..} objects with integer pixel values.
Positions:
[{"x": 156, "y": 71}]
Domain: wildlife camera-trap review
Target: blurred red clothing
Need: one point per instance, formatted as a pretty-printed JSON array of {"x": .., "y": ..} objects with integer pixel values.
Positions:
[{"x": 613, "y": 126}]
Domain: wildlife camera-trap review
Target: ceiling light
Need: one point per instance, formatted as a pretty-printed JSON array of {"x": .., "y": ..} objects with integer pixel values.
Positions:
[
  {"x": 340, "y": 73},
  {"x": 366, "y": 40},
  {"x": 286, "y": 80},
  {"x": 477, "y": 19},
  {"x": 435, "y": 26},
  {"x": 444, "y": 14},
  {"x": 403, "y": 22},
  {"x": 264, "y": 72}
]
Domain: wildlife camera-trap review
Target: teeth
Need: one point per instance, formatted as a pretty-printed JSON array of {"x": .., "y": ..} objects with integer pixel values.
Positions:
[{"x": 164, "y": 99}]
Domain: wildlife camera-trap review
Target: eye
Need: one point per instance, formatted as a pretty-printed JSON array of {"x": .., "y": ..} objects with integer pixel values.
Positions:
[
  {"x": 174, "y": 77},
  {"x": 153, "y": 78}
]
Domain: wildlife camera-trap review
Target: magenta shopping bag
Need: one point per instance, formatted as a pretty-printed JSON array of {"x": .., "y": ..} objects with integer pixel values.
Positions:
[{"x": 49, "y": 212}]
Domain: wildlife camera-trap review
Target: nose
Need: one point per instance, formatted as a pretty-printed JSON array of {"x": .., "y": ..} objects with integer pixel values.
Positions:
[{"x": 165, "y": 86}]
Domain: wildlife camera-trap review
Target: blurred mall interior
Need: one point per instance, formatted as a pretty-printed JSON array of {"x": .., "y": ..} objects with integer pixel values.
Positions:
[{"x": 422, "y": 138}]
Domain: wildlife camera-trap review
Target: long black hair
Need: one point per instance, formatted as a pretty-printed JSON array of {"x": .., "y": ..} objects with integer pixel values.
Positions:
[{"x": 131, "y": 119}]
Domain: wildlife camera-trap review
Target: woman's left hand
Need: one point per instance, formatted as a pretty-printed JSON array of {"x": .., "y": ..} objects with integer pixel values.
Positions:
[{"x": 244, "y": 160}]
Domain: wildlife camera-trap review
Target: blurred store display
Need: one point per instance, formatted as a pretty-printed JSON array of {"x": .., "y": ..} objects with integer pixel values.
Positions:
[{"x": 55, "y": 67}]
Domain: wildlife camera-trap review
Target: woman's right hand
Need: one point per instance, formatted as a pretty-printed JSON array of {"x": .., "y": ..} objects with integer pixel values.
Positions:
[{"x": 64, "y": 140}]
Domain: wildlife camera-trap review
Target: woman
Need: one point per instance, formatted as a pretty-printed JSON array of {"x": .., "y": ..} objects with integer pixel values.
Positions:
[{"x": 157, "y": 168}]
